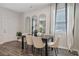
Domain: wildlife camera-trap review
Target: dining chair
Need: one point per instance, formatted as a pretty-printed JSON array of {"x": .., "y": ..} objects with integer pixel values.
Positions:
[
  {"x": 38, "y": 43},
  {"x": 29, "y": 41},
  {"x": 54, "y": 45}
]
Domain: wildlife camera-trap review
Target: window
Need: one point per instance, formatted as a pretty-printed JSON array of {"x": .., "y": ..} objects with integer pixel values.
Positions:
[
  {"x": 34, "y": 23},
  {"x": 60, "y": 25},
  {"x": 42, "y": 23}
]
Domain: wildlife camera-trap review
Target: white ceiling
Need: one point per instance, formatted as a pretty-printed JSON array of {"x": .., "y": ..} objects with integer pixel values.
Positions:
[{"x": 23, "y": 7}]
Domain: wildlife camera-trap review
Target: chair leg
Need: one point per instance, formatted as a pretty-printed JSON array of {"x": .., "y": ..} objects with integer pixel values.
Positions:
[
  {"x": 35, "y": 51},
  {"x": 55, "y": 51},
  {"x": 38, "y": 51},
  {"x": 27, "y": 49},
  {"x": 25, "y": 45},
  {"x": 32, "y": 49},
  {"x": 41, "y": 51}
]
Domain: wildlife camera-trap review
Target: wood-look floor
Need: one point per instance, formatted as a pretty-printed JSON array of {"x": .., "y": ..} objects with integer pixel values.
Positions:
[{"x": 13, "y": 48}]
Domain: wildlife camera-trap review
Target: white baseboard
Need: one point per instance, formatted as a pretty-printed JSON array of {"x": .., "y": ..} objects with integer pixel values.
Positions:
[
  {"x": 71, "y": 49},
  {"x": 7, "y": 40},
  {"x": 76, "y": 50}
]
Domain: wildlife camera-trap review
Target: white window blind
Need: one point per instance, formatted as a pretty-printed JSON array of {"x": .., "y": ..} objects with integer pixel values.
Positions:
[{"x": 60, "y": 24}]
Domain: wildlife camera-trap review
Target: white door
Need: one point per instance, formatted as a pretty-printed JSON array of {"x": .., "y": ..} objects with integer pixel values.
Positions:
[
  {"x": 5, "y": 36},
  {"x": 3, "y": 25},
  {"x": 5, "y": 29},
  {"x": 1, "y": 30}
]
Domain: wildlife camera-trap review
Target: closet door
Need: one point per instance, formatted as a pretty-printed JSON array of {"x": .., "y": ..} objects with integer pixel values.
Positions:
[
  {"x": 3, "y": 26},
  {"x": 1, "y": 29},
  {"x": 10, "y": 27},
  {"x": 5, "y": 29}
]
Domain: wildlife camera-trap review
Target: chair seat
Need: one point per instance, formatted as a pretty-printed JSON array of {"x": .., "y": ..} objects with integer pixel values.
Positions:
[
  {"x": 51, "y": 43},
  {"x": 42, "y": 46},
  {"x": 29, "y": 40}
]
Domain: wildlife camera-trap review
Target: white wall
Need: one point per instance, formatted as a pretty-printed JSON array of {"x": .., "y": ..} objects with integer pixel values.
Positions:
[
  {"x": 9, "y": 25},
  {"x": 45, "y": 10}
]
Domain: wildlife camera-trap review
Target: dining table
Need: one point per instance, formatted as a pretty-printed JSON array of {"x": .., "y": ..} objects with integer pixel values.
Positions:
[{"x": 45, "y": 38}]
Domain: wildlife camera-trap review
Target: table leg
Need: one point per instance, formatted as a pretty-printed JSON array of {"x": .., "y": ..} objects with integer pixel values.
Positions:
[
  {"x": 46, "y": 50},
  {"x": 22, "y": 42},
  {"x": 52, "y": 41}
]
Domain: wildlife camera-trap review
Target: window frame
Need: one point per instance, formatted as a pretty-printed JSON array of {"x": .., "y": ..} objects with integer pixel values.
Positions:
[
  {"x": 65, "y": 17},
  {"x": 44, "y": 20},
  {"x": 34, "y": 19}
]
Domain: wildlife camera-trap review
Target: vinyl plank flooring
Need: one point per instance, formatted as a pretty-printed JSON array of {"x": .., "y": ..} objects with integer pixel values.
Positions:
[{"x": 13, "y": 48}]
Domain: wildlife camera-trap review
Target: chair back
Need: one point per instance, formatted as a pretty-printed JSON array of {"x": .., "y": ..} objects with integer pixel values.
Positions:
[
  {"x": 37, "y": 42},
  {"x": 56, "y": 42},
  {"x": 29, "y": 40}
]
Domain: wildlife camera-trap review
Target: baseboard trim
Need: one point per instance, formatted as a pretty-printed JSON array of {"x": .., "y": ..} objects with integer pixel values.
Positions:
[
  {"x": 70, "y": 49},
  {"x": 2, "y": 42}
]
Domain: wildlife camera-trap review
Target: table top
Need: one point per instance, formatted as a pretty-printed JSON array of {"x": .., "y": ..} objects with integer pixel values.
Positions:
[
  {"x": 47, "y": 37},
  {"x": 43, "y": 36}
]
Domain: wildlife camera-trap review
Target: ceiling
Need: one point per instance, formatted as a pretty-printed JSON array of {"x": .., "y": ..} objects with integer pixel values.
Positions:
[{"x": 23, "y": 7}]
